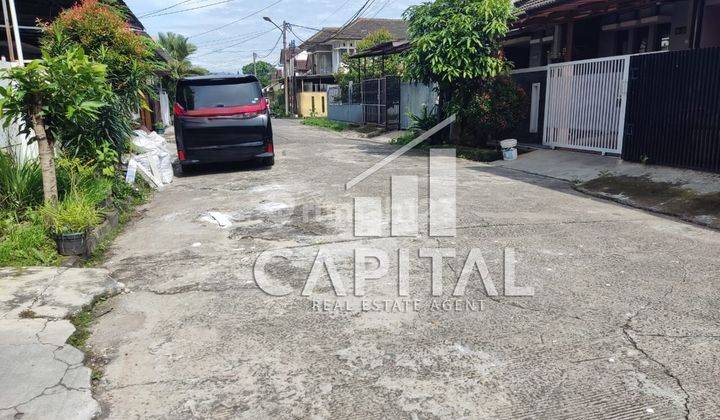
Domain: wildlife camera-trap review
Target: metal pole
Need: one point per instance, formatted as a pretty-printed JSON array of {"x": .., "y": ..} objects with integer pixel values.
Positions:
[
  {"x": 8, "y": 31},
  {"x": 16, "y": 31},
  {"x": 285, "y": 69}
]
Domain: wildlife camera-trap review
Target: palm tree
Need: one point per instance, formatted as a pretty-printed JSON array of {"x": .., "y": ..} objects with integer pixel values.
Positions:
[{"x": 179, "y": 49}]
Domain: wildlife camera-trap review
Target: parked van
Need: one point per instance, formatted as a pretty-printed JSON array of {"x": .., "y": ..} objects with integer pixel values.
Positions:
[{"x": 222, "y": 119}]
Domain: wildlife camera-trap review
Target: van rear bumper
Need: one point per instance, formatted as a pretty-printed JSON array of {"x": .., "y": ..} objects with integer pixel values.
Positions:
[{"x": 230, "y": 153}]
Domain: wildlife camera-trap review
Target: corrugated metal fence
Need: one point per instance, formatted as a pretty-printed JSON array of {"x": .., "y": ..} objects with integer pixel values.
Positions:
[
  {"x": 673, "y": 109},
  {"x": 413, "y": 98}
]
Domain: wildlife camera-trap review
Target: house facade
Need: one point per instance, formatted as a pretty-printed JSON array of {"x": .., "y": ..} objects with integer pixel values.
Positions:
[
  {"x": 328, "y": 48},
  {"x": 313, "y": 64},
  {"x": 582, "y": 63},
  {"x": 554, "y": 31}
]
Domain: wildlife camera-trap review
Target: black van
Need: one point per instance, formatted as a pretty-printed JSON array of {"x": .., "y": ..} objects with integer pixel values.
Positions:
[{"x": 222, "y": 119}]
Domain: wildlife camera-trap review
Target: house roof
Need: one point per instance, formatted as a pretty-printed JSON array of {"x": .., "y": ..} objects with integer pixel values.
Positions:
[
  {"x": 536, "y": 5},
  {"x": 29, "y": 11},
  {"x": 358, "y": 30}
]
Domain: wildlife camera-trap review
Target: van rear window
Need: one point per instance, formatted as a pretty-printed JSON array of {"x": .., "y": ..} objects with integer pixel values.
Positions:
[{"x": 218, "y": 95}]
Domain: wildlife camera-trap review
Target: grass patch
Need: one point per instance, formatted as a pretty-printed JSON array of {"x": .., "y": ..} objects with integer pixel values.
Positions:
[
  {"x": 478, "y": 154},
  {"x": 79, "y": 338},
  {"x": 27, "y": 244},
  {"x": 325, "y": 123}
]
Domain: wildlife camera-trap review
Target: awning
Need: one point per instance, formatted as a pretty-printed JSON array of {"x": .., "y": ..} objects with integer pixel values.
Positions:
[{"x": 385, "y": 48}]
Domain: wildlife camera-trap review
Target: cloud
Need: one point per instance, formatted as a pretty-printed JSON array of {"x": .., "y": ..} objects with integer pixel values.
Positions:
[{"x": 236, "y": 50}]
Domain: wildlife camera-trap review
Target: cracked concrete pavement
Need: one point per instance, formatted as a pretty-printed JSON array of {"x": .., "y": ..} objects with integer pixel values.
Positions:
[
  {"x": 624, "y": 322},
  {"x": 41, "y": 376}
]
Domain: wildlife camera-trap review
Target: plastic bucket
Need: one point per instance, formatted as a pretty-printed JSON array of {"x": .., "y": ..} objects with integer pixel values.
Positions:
[
  {"x": 509, "y": 154},
  {"x": 69, "y": 244}
]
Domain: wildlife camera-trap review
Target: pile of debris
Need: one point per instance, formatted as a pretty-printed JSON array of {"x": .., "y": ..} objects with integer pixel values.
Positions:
[{"x": 153, "y": 161}]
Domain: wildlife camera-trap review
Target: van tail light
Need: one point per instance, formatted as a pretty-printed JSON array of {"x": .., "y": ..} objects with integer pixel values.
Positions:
[
  {"x": 179, "y": 110},
  {"x": 181, "y": 154},
  {"x": 269, "y": 148}
]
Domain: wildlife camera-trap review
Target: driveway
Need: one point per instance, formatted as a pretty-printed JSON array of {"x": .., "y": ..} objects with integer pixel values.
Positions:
[{"x": 624, "y": 322}]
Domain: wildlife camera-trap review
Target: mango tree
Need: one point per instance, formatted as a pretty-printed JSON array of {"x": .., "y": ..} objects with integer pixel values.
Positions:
[{"x": 457, "y": 44}]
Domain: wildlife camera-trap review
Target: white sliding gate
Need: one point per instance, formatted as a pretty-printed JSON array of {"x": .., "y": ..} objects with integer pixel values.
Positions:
[{"x": 585, "y": 104}]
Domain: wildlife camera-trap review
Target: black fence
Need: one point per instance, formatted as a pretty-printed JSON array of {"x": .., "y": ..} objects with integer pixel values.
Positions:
[
  {"x": 673, "y": 109},
  {"x": 533, "y": 83},
  {"x": 381, "y": 102}
]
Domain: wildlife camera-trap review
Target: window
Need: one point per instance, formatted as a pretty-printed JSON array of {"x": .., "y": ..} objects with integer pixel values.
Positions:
[{"x": 213, "y": 94}]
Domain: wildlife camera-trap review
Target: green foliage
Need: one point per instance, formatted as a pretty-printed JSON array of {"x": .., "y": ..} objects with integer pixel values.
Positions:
[
  {"x": 26, "y": 244},
  {"x": 278, "y": 108},
  {"x": 101, "y": 31},
  {"x": 425, "y": 121},
  {"x": 456, "y": 40},
  {"x": 325, "y": 123},
  {"x": 265, "y": 71},
  {"x": 72, "y": 91},
  {"x": 492, "y": 111},
  {"x": 457, "y": 44},
  {"x": 20, "y": 184},
  {"x": 74, "y": 214}
]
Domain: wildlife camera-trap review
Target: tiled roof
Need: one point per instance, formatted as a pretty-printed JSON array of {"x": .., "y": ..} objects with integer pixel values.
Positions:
[
  {"x": 534, "y": 5},
  {"x": 358, "y": 30}
]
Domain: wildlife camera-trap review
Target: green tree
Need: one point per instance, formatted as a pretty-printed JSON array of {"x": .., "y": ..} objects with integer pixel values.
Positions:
[
  {"x": 457, "y": 44},
  {"x": 265, "y": 71},
  {"x": 179, "y": 49},
  {"x": 102, "y": 32},
  {"x": 50, "y": 98}
]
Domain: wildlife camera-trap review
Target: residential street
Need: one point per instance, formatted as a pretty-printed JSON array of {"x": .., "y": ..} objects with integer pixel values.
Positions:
[{"x": 624, "y": 322}]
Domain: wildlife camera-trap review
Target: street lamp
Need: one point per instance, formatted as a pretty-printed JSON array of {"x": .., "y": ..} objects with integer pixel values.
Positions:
[{"x": 285, "y": 61}]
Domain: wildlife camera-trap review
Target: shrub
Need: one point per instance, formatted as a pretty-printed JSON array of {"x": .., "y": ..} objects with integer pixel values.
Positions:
[
  {"x": 76, "y": 213},
  {"x": 494, "y": 110},
  {"x": 75, "y": 176},
  {"x": 20, "y": 184},
  {"x": 100, "y": 29},
  {"x": 426, "y": 120}
]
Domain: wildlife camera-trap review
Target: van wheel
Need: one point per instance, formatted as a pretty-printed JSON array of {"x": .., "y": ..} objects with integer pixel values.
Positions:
[{"x": 268, "y": 161}]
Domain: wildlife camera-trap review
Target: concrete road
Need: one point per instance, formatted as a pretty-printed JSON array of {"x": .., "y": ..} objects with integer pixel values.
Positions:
[{"x": 624, "y": 322}]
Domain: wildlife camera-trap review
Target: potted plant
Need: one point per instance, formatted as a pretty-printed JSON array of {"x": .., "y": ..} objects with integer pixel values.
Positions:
[
  {"x": 159, "y": 128},
  {"x": 69, "y": 221}
]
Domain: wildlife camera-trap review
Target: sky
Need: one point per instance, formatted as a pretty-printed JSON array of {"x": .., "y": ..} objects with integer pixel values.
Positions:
[{"x": 229, "y": 48}]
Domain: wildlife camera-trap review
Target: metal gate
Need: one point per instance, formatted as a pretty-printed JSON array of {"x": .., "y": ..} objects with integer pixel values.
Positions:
[
  {"x": 381, "y": 102},
  {"x": 585, "y": 104}
]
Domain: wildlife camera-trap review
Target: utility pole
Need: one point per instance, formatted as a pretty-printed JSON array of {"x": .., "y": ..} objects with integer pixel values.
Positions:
[
  {"x": 286, "y": 68},
  {"x": 254, "y": 65}
]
